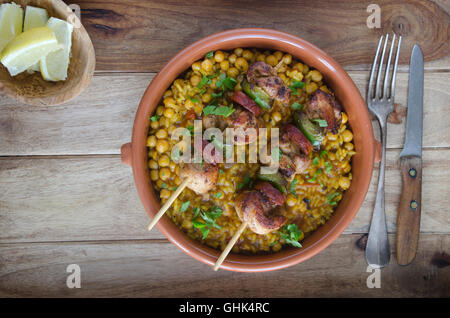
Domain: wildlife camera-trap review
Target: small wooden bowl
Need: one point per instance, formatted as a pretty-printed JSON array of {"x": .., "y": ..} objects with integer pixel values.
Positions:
[{"x": 32, "y": 88}]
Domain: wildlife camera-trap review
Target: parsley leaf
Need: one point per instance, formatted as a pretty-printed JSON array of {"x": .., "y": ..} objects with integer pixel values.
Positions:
[
  {"x": 221, "y": 171},
  {"x": 205, "y": 80},
  {"x": 209, "y": 220},
  {"x": 291, "y": 234},
  {"x": 192, "y": 99},
  {"x": 244, "y": 182},
  {"x": 296, "y": 106},
  {"x": 224, "y": 111},
  {"x": 321, "y": 122},
  {"x": 154, "y": 118},
  {"x": 215, "y": 95},
  {"x": 331, "y": 197},
  {"x": 323, "y": 153},
  {"x": 225, "y": 82},
  {"x": 185, "y": 206},
  {"x": 328, "y": 167},
  {"x": 218, "y": 195},
  {"x": 296, "y": 84},
  {"x": 209, "y": 55},
  {"x": 191, "y": 130},
  {"x": 316, "y": 161},
  {"x": 164, "y": 186},
  {"x": 293, "y": 183}
]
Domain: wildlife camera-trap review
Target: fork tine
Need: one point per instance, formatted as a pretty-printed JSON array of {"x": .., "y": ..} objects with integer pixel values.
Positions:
[
  {"x": 380, "y": 69},
  {"x": 370, "y": 93},
  {"x": 394, "y": 74},
  {"x": 388, "y": 69}
]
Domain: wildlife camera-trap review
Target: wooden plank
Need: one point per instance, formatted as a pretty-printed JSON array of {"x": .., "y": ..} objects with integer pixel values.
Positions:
[
  {"x": 142, "y": 36},
  {"x": 94, "y": 198},
  {"x": 145, "y": 269},
  {"x": 100, "y": 120}
]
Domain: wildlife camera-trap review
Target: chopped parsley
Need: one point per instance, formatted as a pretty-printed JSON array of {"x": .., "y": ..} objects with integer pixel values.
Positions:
[
  {"x": 328, "y": 167},
  {"x": 225, "y": 82},
  {"x": 293, "y": 183},
  {"x": 296, "y": 106},
  {"x": 331, "y": 197},
  {"x": 174, "y": 188},
  {"x": 224, "y": 111},
  {"x": 185, "y": 206},
  {"x": 209, "y": 55},
  {"x": 291, "y": 234},
  {"x": 318, "y": 171},
  {"x": 296, "y": 84},
  {"x": 209, "y": 220},
  {"x": 218, "y": 195},
  {"x": 154, "y": 118},
  {"x": 216, "y": 95},
  {"x": 321, "y": 122},
  {"x": 194, "y": 100},
  {"x": 164, "y": 186},
  {"x": 190, "y": 129},
  {"x": 323, "y": 153},
  {"x": 316, "y": 161},
  {"x": 244, "y": 182},
  {"x": 221, "y": 171}
]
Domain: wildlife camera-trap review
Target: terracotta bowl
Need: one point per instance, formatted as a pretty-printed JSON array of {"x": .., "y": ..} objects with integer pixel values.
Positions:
[
  {"x": 135, "y": 153},
  {"x": 32, "y": 88}
]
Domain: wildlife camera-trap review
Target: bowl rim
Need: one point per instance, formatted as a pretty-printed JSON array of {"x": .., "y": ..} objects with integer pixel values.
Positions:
[{"x": 263, "y": 38}]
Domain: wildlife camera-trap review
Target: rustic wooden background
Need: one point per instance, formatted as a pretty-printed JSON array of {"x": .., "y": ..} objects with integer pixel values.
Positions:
[{"x": 66, "y": 198}]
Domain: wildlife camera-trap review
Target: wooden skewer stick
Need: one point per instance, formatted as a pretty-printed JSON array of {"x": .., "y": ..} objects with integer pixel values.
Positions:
[
  {"x": 229, "y": 246},
  {"x": 167, "y": 205}
]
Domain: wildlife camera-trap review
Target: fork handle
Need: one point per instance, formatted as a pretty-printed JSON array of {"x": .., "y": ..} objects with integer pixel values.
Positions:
[
  {"x": 378, "y": 252},
  {"x": 408, "y": 218}
]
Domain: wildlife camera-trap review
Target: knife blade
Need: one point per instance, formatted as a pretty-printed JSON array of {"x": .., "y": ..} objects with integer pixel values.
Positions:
[{"x": 408, "y": 218}]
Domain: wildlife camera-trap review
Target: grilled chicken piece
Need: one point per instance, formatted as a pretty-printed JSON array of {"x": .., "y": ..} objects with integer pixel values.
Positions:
[
  {"x": 243, "y": 119},
  {"x": 324, "y": 106},
  {"x": 265, "y": 76},
  {"x": 256, "y": 210},
  {"x": 213, "y": 121},
  {"x": 202, "y": 177},
  {"x": 274, "y": 195}
]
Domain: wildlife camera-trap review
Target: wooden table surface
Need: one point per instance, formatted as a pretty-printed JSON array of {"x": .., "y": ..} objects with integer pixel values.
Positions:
[{"x": 65, "y": 197}]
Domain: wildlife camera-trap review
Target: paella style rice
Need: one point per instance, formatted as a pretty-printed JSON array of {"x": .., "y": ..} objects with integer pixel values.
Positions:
[{"x": 311, "y": 197}]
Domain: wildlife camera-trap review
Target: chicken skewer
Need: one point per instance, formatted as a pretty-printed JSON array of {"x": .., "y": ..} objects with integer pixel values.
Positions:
[{"x": 200, "y": 178}]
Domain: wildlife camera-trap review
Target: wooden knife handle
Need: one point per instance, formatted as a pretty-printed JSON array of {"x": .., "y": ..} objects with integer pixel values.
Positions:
[{"x": 408, "y": 219}]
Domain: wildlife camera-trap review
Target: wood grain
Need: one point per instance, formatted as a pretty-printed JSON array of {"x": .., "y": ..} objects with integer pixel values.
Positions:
[
  {"x": 149, "y": 269},
  {"x": 87, "y": 198},
  {"x": 142, "y": 36},
  {"x": 408, "y": 219},
  {"x": 100, "y": 120}
]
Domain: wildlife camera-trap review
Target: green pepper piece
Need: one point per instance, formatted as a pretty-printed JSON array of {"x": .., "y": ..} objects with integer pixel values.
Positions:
[
  {"x": 276, "y": 179},
  {"x": 311, "y": 131},
  {"x": 257, "y": 94}
]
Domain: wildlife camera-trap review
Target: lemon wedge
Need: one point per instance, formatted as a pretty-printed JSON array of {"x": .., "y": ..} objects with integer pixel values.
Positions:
[
  {"x": 11, "y": 19},
  {"x": 54, "y": 66},
  {"x": 34, "y": 18},
  {"x": 28, "y": 48}
]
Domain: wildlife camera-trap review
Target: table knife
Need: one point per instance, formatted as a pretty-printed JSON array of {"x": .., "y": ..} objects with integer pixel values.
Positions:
[{"x": 408, "y": 218}]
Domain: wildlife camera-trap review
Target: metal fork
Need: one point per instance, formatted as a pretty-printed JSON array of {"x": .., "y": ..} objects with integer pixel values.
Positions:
[{"x": 381, "y": 104}]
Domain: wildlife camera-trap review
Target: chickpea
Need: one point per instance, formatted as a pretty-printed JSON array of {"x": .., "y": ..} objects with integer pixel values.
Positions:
[
  {"x": 154, "y": 124},
  {"x": 165, "y": 194},
  {"x": 344, "y": 118},
  {"x": 291, "y": 200},
  {"x": 287, "y": 59},
  {"x": 219, "y": 56},
  {"x": 266, "y": 117},
  {"x": 164, "y": 161},
  {"x": 151, "y": 141},
  {"x": 196, "y": 67},
  {"x": 232, "y": 58},
  {"x": 299, "y": 67},
  {"x": 177, "y": 180},
  {"x": 207, "y": 65},
  {"x": 188, "y": 104},
  {"x": 233, "y": 72},
  {"x": 347, "y": 135},
  {"x": 161, "y": 134},
  {"x": 167, "y": 93},
  {"x": 241, "y": 64},
  {"x": 206, "y": 98},
  {"x": 172, "y": 166},
  {"x": 278, "y": 55},
  {"x": 344, "y": 182},
  {"x": 195, "y": 80},
  {"x": 272, "y": 60},
  {"x": 170, "y": 102},
  {"x": 164, "y": 174},
  {"x": 169, "y": 113},
  {"x": 311, "y": 87},
  {"x": 261, "y": 58},
  {"x": 348, "y": 146},
  {"x": 224, "y": 65},
  {"x": 154, "y": 175},
  {"x": 247, "y": 54},
  {"x": 162, "y": 146},
  {"x": 160, "y": 110},
  {"x": 238, "y": 51},
  {"x": 152, "y": 164},
  {"x": 316, "y": 76},
  {"x": 276, "y": 116},
  {"x": 325, "y": 89}
]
